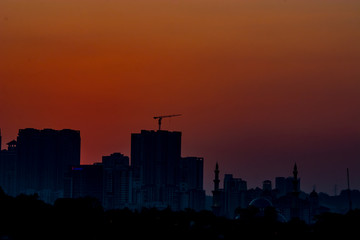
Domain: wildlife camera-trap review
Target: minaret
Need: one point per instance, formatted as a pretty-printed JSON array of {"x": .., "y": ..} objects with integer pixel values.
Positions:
[
  {"x": 216, "y": 180},
  {"x": 295, "y": 202},
  {"x": 348, "y": 190},
  {"x": 216, "y": 192},
  {"x": 295, "y": 180}
]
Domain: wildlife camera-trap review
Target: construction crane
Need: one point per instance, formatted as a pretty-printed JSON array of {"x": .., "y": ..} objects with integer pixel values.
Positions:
[{"x": 166, "y": 116}]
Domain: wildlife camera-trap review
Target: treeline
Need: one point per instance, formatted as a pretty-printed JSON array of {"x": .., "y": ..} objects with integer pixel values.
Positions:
[{"x": 27, "y": 217}]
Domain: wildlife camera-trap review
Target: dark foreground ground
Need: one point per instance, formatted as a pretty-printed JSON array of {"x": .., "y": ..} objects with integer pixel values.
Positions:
[{"x": 26, "y": 217}]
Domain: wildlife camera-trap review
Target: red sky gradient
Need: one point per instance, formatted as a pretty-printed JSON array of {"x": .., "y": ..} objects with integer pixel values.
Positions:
[{"x": 260, "y": 84}]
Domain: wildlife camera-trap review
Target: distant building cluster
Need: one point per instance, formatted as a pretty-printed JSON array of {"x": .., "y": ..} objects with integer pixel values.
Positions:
[
  {"x": 47, "y": 162},
  {"x": 286, "y": 198}
]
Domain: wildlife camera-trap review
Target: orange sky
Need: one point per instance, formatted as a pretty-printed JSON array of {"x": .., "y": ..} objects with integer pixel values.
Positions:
[{"x": 260, "y": 84}]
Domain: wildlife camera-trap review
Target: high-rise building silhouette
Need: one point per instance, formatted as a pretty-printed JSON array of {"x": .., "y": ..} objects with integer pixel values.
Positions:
[
  {"x": 44, "y": 158},
  {"x": 280, "y": 186},
  {"x": 160, "y": 176},
  {"x": 267, "y": 186},
  {"x": 285, "y": 185},
  {"x": 109, "y": 181},
  {"x": 8, "y": 159},
  {"x": 234, "y": 195},
  {"x": 155, "y": 159},
  {"x": 85, "y": 181},
  {"x": 191, "y": 169},
  {"x": 117, "y": 178},
  {"x": 192, "y": 194}
]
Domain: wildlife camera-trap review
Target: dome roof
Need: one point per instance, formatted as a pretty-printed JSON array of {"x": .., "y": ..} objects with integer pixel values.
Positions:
[{"x": 260, "y": 203}]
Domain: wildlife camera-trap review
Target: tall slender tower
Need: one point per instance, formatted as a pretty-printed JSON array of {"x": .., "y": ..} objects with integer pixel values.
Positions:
[
  {"x": 216, "y": 180},
  {"x": 216, "y": 192},
  {"x": 348, "y": 190},
  {"x": 295, "y": 180},
  {"x": 295, "y": 203}
]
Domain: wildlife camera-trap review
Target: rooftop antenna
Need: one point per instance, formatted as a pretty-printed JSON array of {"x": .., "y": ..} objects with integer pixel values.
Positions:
[
  {"x": 166, "y": 116},
  {"x": 348, "y": 183}
]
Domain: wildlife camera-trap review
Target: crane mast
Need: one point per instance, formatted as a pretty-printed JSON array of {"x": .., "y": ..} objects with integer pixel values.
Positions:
[{"x": 165, "y": 116}]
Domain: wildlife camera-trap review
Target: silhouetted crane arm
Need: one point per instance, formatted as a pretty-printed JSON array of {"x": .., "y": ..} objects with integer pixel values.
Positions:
[{"x": 165, "y": 116}]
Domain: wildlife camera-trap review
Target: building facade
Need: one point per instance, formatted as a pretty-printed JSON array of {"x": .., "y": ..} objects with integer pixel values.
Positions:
[
  {"x": 234, "y": 195},
  {"x": 161, "y": 177},
  {"x": 155, "y": 159},
  {"x": 85, "y": 181},
  {"x": 192, "y": 194},
  {"x": 43, "y": 159},
  {"x": 116, "y": 180},
  {"x": 8, "y": 162}
]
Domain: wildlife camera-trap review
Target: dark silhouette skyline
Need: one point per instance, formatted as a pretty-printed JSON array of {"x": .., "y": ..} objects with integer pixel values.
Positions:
[
  {"x": 159, "y": 195},
  {"x": 47, "y": 163}
]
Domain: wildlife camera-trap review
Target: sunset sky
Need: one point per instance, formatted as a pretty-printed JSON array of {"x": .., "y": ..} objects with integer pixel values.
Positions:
[{"x": 260, "y": 84}]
